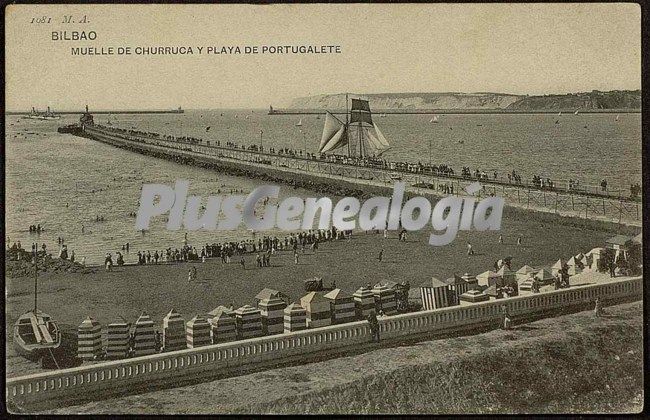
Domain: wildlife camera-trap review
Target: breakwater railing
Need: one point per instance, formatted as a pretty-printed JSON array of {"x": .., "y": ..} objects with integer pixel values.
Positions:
[
  {"x": 146, "y": 373},
  {"x": 569, "y": 203}
]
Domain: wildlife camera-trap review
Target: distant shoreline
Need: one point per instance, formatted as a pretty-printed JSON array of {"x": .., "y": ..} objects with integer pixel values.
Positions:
[{"x": 290, "y": 111}]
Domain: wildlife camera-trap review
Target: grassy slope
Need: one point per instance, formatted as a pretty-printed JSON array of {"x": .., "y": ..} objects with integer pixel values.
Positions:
[{"x": 573, "y": 363}]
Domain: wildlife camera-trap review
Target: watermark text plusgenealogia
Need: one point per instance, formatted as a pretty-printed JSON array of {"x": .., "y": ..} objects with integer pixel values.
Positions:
[{"x": 447, "y": 217}]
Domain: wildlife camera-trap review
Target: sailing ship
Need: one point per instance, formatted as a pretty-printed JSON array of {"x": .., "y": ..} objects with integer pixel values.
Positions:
[
  {"x": 299, "y": 123},
  {"x": 576, "y": 113},
  {"x": 49, "y": 115},
  {"x": 616, "y": 119},
  {"x": 358, "y": 132},
  {"x": 434, "y": 119},
  {"x": 35, "y": 332}
]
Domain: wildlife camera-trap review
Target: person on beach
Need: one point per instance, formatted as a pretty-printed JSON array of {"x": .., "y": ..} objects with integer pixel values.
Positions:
[
  {"x": 108, "y": 262},
  {"x": 258, "y": 260},
  {"x": 374, "y": 326},
  {"x": 519, "y": 240},
  {"x": 83, "y": 261},
  {"x": 500, "y": 239},
  {"x": 119, "y": 259},
  {"x": 242, "y": 262},
  {"x": 381, "y": 255},
  {"x": 295, "y": 257},
  {"x": 72, "y": 256},
  {"x": 470, "y": 250},
  {"x": 598, "y": 309}
]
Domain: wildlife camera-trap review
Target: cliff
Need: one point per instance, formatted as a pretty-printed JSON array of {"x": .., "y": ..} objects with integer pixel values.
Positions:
[{"x": 480, "y": 100}]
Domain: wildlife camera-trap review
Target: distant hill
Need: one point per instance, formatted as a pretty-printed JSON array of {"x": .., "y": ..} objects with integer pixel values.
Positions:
[
  {"x": 479, "y": 100},
  {"x": 616, "y": 99}
]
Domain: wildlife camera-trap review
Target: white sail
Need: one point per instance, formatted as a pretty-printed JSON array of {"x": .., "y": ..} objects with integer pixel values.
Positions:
[
  {"x": 381, "y": 138},
  {"x": 331, "y": 127},
  {"x": 339, "y": 139},
  {"x": 617, "y": 117},
  {"x": 299, "y": 123},
  {"x": 559, "y": 113},
  {"x": 575, "y": 113}
]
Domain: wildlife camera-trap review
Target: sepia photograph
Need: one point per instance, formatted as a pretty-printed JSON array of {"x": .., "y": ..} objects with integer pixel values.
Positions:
[{"x": 323, "y": 209}]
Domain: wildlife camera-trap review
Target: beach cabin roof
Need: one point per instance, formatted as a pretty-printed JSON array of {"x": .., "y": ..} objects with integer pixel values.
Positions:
[
  {"x": 638, "y": 239},
  {"x": 526, "y": 269},
  {"x": 246, "y": 309},
  {"x": 119, "y": 321},
  {"x": 456, "y": 280},
  {"x": 267, "y": 293},
  {"x": 505, "y": 271},
  {"x": 312, "y": 297},
  {"x": 433, "y": 282},
  {"x": 220, "y": 310},
  {"x": 544, "y": 274},
  {"x": 294, "y": 307},
  {"x": 559, "y": 264},
  {"x": 337, "y": 294},
  {"x": 486, "y": 275},
  {"x": 491, "y": 291},
  {"x": 620, "y": 240}
]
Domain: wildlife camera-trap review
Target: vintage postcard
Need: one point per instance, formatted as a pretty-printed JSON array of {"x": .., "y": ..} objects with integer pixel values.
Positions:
[{"x": 323, "y": 209}]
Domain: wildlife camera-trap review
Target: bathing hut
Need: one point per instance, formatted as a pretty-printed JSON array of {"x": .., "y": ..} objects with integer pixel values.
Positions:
[
  {"x": 593, "y": 258},
  {"x": 575, "y": 267},
  {"x": 89, "y": 339},
  {"x": 197, "y": 332},
  {"x": 457, "y": 286},
  {"x": 488, "y": 278},
  {"x": 527, "y": 284},
  {"x": 272, "y": 312},
  {"x": 385, "y": 300},
  {"x": 248, "y": 321},
  {"x": 341, "y": 306},
  {"x": 319, "y": 313},
  {"x": 222, "y": 320},
  {"x": 435, "y": 294},
  {"x": 493, "y": 292},
  {"x": 117, "y": 339},
  {"x": 173, "y": 332},
  {"x": 557, "y": 267},
  {"x": 525, "y": 272},
  {"x": 544, "y": 276},
  {"x": 415, "y": 299},
  {"x": 364, "y": 302},
  {"x": 144, "y": 336},
  {"x": 472, "y": 282},
  {"x": 295, "y": 318}
]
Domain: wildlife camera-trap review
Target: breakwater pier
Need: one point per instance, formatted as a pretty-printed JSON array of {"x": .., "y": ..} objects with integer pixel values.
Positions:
[{"x": 332, "y": 174}]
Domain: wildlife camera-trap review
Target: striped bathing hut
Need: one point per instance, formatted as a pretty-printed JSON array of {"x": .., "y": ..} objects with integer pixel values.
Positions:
[
  {"x": 117, "y": 339},
  {"x": 249, "y": 322},
  {"x": 384, "y": 299},
  {"x": 295, "y": 318},
  {"x": 341, "y": 306},
  {"x": 364, "y": 302},
  {"x": 457, "y": 286},
  {"x": 89, "y": 339},
  {"x": 544, "y": 276},
  {"x": 435, "y": 294},
  {"x": 272, "y": 312},
  {"x": 319, "y": 313},
  {"x": 508, "y": 277},
  {"x": 471, "y": 281},
  {"x": 144, "y": 336},
  {"x": 267, "y": 293},
  {"x": 222, "y": 320},
  {"x": 198, "y": 332},
  {"x": 174, "y": 332}
]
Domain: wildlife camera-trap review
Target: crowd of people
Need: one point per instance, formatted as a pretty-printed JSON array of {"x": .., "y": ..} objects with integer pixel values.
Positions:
[{"x": 373, "y": 162}]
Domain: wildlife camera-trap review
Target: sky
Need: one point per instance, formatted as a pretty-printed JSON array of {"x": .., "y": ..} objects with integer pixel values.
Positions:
[{"x": 506, "y": 48}]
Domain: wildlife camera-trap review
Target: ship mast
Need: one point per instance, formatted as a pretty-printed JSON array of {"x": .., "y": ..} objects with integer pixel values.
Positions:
[{"x": 347, "y": 120}]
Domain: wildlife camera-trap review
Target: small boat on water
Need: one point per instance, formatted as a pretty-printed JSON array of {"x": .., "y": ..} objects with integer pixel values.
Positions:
[
  {"x": 299, "y": 123},
  {"x": 616, "y": 119},
  {"x": 576, "y": 113},
  {"x": 434, "y": 119}
]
